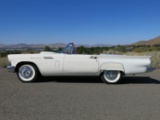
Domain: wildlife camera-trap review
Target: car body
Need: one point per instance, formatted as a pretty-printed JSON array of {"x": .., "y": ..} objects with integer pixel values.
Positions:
[{"x": 66, "y": 63}]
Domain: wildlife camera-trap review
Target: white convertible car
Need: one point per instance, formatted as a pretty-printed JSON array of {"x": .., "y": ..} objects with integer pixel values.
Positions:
[{"x": 111, "y": 68}]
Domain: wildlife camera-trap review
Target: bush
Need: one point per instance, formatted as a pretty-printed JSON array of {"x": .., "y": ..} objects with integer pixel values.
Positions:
[
  {"x": 146, "y": 49},
  {"x": 155, "y": 62}
]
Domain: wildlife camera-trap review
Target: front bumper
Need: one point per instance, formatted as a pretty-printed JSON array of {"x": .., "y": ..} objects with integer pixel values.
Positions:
[{"x": 11, "y": 68}]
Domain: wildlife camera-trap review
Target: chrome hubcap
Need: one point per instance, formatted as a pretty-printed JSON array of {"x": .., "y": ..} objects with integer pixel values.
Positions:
[
  {"x": 26, "y": 72},
  {"x": 111, "y": 75}
]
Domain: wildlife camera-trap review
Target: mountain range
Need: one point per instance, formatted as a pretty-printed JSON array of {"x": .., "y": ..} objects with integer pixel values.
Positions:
[
  {"x": 23, "y": 45},
  {"x": 153, "y": 41},
  {"x": 34, "y": 46}
]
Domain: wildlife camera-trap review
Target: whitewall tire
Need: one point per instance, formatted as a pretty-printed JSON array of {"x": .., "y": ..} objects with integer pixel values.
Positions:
[
  {"x": 111, "y": 77},
  {"x": 27, "y": 73}
]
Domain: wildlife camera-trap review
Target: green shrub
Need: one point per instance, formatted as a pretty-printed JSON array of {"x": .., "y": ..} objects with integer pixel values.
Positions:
[
  {"x": 146, "y": 49},
  {"x": 155, "y": 62}
]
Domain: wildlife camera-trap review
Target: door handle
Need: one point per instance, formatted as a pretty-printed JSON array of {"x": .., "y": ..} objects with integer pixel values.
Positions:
[{"x": 93, "y": 57}]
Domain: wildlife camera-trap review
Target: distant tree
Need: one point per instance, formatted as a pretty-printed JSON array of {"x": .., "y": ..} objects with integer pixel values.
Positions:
[
  {"x": 120, "y": 48},
  {"x": 7, "y": 52},
  {"x": 59, "y": 49},
  {"x": 80, "y": 49},
  {"x": 91, "y": 50},
  {"x": 47, "y": 48},
  {"x": 146, "y": 49}
]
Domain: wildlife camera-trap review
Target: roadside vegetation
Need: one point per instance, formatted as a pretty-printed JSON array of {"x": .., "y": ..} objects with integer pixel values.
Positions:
[
  {"x": 3, "y": 55},
  {"x": 3, "y": 62},
  {"x": 133, "y": 50}
]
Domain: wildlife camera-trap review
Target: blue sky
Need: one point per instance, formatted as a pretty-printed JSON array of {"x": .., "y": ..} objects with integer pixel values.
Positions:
[{"x": 78, "y": 21}]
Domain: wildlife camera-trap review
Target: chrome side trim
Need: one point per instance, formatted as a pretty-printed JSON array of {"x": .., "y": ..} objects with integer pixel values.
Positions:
[
  {"x": 48, "y": 57},
  {"x": 11, "y": 68}
]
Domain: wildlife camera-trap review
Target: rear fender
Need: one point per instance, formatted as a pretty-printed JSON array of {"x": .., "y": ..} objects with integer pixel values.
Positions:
[{"x": 112, "y": 67}]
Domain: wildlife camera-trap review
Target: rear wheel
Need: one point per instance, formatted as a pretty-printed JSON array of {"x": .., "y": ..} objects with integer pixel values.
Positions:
[
  {"x": 27, "y": 73},
  {"x": 111, "y": 77}
]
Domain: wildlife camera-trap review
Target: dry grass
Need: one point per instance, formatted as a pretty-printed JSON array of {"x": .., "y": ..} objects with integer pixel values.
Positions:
[{"x": 3, "y": 62}]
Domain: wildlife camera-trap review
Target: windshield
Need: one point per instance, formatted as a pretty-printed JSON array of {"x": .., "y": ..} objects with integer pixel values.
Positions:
[{"x": 69, "y": 49}]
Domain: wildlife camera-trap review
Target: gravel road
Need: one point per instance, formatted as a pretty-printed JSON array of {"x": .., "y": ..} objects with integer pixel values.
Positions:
[{"x": 80, "y": 98}]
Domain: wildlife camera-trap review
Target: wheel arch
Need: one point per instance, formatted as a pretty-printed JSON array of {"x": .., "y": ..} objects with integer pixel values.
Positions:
[
  {"x": 26, "y": 62},
  {"x": 102, "y": 71},
  {"x": 112, "y": 67}
]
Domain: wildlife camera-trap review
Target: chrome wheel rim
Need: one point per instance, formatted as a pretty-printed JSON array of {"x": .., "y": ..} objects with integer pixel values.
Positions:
[
  {"x": 111, "y": 75},
  {"x": 26, "y": 72}
]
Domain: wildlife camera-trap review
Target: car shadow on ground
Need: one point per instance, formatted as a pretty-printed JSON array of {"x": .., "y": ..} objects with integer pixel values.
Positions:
[
  {"x": 139, "y": 80},
  {"x": 71, "y": 79},
  {"x": 88, "y": 79}
]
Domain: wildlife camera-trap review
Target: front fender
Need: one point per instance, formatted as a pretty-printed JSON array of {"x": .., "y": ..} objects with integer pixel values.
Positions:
[{"x": 112, "y": 66}]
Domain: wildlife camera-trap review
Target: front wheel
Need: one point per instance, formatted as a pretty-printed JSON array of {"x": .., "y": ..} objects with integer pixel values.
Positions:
[
  {"x": 27, "y": 73},
  {"x": 111, "y": 77}
]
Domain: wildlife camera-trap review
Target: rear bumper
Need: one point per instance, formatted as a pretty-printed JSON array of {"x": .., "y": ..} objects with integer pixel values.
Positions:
[
  {"x": 11, "y": 68},
  {"x": 149, "y": 69}
]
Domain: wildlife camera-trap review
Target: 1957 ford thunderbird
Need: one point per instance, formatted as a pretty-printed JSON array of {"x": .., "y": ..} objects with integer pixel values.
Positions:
[{"x": 110, "y": 68}]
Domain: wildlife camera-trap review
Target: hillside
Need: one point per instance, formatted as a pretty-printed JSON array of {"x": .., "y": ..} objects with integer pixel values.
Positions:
[{"x": 153, "y": 41}]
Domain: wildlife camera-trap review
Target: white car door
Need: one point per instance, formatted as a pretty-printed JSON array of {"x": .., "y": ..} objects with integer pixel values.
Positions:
[
  {"x": 80, "y": 64},
  {"x": 51, "y": 64}
]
